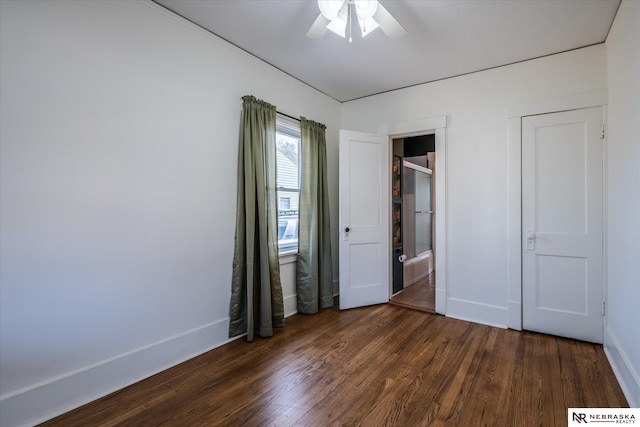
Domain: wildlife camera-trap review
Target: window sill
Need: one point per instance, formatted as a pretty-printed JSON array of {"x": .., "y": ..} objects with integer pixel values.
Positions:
[{"x": 288, "y": 257}]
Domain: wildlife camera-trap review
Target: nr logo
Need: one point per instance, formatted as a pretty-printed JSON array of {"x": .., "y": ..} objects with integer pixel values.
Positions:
[{"x": 579, "y": 418}]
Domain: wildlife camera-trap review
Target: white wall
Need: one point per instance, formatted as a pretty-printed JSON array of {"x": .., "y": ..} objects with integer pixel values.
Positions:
[
  {"x": 118, "y": 188},
  {"x": 118, "y": 153},
  {"x": 477, "y": 161},
  {"x": 622, "y": 340}
]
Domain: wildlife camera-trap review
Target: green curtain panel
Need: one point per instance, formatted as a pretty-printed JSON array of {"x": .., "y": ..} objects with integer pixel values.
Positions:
[
  {"x": 256, "y": 291},
  {"x": 314, "y": 278}
]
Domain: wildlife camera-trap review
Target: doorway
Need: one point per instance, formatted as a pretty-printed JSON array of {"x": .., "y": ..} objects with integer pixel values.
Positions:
[
  {"x": 562, "y": 222},
  {"x": 516, "y": 114},
  {"x": 413, "y": 225},
  {"x": 365, "y": 240}
]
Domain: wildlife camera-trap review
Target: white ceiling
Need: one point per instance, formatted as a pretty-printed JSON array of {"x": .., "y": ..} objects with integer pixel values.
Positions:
[{"x": 445, "y": 38}]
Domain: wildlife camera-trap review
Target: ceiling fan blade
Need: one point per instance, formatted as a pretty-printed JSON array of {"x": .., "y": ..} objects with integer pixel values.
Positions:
[
  {"x": 318, "y": 28},
  {"x": 388, "y": 23}
]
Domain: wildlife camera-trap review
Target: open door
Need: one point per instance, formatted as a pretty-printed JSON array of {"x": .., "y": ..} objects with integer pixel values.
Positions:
[{"x": 364, "y": 219}]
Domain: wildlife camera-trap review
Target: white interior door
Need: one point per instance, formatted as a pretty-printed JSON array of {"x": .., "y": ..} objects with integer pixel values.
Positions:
[
  {"x": 364, "y": 219},
  {"x": 562, "y": 224}
]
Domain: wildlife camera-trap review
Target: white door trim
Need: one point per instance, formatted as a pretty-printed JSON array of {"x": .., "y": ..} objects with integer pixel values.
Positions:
[
  {"x": 563, "y": 103},
  {"x": 438, "y": 126},
  {"x": 515, "y": 113}
]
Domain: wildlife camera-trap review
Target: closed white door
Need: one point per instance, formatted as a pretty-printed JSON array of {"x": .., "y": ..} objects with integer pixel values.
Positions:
[
  {"x": 364, "y": 219},
  {"x": 562, "y": 221}
]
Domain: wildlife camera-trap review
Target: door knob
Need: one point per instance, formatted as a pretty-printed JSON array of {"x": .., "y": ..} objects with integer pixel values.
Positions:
[
  {"x": 531, "y": 235},
  {"x": 346, "y": 230}
]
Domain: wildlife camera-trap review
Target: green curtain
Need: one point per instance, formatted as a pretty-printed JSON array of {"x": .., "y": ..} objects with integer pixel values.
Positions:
[
  {"x": 314, "y": 278},
  {"x": 256, "y": 292}
]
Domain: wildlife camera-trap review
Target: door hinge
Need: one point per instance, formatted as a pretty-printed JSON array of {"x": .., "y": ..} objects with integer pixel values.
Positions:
[
  {"x": 602, "y": 129},
  {"x": 604, "y": 310}
]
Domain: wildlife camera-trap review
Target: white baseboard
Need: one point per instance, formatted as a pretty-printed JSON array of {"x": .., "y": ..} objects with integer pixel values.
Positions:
[
  {"x": 46, "y": 400},
  {"x": 627, "y": 376},
  {"x": 476, "y": 312}
]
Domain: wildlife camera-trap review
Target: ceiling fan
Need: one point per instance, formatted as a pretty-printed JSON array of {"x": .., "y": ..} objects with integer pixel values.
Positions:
[{"x": 337, "y": 16}]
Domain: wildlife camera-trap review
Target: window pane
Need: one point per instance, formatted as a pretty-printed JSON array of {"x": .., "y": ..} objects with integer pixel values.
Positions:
[
  {"x": 285, "y": 203},
  {"x": 288, "y": 181}
]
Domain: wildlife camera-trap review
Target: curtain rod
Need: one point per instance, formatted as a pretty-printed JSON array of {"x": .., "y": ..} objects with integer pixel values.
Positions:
[{"x": 286, "y": 115}]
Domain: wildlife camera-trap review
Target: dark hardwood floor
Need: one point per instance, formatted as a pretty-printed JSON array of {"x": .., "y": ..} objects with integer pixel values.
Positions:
[
  {"x": 373, "y": 366},
  {"x": 418, "y": 296}
]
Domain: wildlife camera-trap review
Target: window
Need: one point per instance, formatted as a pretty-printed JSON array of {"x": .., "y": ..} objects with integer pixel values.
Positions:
[
  {"x": 285, "y": 203},
  {"x": 288, "y": 182}
]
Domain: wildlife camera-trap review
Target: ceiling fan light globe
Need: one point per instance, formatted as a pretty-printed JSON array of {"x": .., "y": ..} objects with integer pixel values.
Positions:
[
  {"x": 330, "y": 8},
  {"x": 365, "y": 9}
]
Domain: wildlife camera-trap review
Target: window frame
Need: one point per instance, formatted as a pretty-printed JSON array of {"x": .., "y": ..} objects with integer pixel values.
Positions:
[{"x": 290, "y": 128}]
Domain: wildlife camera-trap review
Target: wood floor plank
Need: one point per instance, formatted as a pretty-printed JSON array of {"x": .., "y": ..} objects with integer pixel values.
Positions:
[
  {"x": 421, "y": 295},
  {"x": 373, "y": 366}
]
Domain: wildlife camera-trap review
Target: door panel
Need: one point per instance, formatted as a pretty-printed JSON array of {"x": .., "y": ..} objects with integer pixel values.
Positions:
[
  {"x": 562, "y": 192},
  {"x": 364, "y": 183},
  {"x": 558, "y": 275},
  {"x": 364, "y": 219},
  {"x": 560, "y": 149}
]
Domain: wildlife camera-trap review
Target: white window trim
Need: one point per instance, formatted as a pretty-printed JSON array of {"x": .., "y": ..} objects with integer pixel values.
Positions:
[{"x": 290, "y": 127}]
